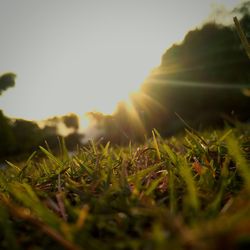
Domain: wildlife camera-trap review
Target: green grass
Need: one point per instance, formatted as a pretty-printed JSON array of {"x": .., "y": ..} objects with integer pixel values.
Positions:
[{"x": 190, "y": 192}]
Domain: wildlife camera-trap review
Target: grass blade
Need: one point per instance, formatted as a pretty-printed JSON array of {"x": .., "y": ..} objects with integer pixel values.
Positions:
[
  {"x": 187, "y": 176},
  {"x": 156, "y": 145},
  {"x": 241, "y": 163}
]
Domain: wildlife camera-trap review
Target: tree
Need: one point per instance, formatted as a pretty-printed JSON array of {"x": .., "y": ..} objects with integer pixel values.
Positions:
[
  {"x": 7, "y": 80},
  {"x": 7, "y": 139},
  {"x": 71, "y": 121},
  {"x": 73, "y": 140},
  {"x": 28, "y": 135}
]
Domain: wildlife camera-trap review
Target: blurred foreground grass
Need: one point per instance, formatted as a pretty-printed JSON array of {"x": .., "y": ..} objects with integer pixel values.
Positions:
[{"x": 190, "y": 192}]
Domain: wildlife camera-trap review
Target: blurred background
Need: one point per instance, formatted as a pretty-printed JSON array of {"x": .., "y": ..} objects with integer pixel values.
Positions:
[{"x": 113, "y": 71}]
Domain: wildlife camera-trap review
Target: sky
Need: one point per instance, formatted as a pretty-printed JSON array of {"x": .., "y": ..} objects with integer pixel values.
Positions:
[{"x": 87, "y": 55}]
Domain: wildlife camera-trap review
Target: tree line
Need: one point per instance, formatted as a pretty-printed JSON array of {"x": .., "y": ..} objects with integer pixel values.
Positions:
[{"x": 19, "y": 137}]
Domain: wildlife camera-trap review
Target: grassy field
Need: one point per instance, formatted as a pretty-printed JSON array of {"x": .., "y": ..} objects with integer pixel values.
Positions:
[{"x": 188, "y": 192}]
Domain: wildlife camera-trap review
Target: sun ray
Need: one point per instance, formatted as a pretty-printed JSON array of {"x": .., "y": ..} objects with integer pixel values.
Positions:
[{"x": 135, "y": 117}]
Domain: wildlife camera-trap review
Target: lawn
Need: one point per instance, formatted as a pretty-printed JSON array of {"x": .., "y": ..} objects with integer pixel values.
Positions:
[{"x": 186, "y": 192}]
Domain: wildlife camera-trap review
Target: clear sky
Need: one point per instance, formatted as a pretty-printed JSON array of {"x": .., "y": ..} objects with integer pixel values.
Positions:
[{"x": 84, "y": 55}]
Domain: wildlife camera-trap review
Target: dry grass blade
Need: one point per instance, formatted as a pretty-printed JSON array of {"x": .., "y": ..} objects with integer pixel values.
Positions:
[
  {"x": 242, "y": 36},
  {"x": 24, "y": 214},
  {"x": 60, "y": 198}
]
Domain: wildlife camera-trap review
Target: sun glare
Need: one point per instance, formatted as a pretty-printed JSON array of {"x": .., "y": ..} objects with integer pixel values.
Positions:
[{"x": 116, "y": 79}]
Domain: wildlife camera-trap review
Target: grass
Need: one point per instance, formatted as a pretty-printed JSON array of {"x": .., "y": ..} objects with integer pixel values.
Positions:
[{"x": 190, "y": 192}]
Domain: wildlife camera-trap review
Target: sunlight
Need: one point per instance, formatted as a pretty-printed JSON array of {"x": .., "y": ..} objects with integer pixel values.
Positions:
[
  {"x": 135, "y": 117},
  {"x": 84, "y": 121},
  {"x": 113, "y": 80}
]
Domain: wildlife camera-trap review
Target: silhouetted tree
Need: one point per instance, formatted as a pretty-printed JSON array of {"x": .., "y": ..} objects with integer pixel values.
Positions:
[
  {"x": 7, "y": 139},
  {"x": 73, "y": 140},
  {"x": 49, "y": 130},
  {"x": 7, "y": 80},
  {"x": 71, "y": 121},
  {"x": 190, "y": 79},
  {"x": 28, "y": 135}
]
